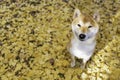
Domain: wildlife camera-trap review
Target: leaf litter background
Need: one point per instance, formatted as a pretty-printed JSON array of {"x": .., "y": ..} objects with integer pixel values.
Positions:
[{"x": 34, "y": 35}]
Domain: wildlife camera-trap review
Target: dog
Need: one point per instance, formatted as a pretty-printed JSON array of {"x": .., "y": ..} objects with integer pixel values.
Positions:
[{"x": 84, "y": 29}]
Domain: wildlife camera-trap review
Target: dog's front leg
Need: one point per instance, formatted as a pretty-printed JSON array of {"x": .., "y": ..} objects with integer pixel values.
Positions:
[
  {"x": 84, "y": 61},
  {"x": 73, "y": 60}
]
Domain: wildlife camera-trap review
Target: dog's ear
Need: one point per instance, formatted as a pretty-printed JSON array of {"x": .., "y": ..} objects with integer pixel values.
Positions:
[
  {"x": 77, "y": 13},
  {"x": 96, "y": 16}
]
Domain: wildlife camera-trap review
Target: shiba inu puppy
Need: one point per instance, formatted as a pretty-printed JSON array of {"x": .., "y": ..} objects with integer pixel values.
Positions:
[{"x": 84, "y": 28}]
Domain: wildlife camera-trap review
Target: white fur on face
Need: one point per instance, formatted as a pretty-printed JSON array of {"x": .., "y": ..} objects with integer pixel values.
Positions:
[{"x": 92, "y": 31}]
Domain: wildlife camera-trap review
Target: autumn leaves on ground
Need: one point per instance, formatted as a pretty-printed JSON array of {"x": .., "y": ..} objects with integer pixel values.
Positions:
[{"x": 34, "y": 35}]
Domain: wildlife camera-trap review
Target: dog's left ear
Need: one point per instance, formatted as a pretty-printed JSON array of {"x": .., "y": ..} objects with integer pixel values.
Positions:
[
  {"x": 77, "y": 13},
  {"x": 96, "y": 16}
]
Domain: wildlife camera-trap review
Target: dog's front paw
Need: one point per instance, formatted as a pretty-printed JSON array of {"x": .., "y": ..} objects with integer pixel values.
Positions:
[
  {"x": 82, "y": 66},
  {"x": 72, "y": 64}
]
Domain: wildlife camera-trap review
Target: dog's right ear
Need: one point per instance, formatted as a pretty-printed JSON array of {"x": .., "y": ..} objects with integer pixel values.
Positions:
[
  {"x": 96, "y": 16},
  {"x": 77, "y": 13}
]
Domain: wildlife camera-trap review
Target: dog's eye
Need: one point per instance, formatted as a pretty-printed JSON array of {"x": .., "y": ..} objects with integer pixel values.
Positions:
[
  {"x": 89, "y": 26},
  {"x": 79, "y": 25}
]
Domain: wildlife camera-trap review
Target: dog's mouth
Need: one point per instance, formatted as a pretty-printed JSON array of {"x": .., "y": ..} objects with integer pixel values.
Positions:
[
  {"x": 82, "y": 39},
  {"x": 85, "y": 39}
]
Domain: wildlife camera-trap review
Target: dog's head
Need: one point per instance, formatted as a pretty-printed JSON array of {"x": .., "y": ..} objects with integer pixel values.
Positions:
[{"x": 84, "y": 26}]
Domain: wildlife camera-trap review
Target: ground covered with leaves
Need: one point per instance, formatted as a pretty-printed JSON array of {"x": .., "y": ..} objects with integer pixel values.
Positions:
[{"x": 34, "y": 35}]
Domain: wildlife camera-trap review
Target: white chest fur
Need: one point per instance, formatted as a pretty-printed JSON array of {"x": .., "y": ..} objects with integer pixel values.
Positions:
[{"x": 82, "y": 49}]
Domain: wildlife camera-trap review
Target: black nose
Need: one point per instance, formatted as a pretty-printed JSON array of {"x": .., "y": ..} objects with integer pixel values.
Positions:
[{"x": 82, "y": 36}]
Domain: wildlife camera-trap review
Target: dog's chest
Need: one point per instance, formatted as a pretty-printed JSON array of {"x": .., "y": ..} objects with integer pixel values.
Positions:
[{"x": 82, "y": 50}]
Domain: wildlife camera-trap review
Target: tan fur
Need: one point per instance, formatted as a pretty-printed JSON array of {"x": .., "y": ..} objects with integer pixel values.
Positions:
[
  {"x": 84, "y": 29},
  {"x": 85, "y": 18}
]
